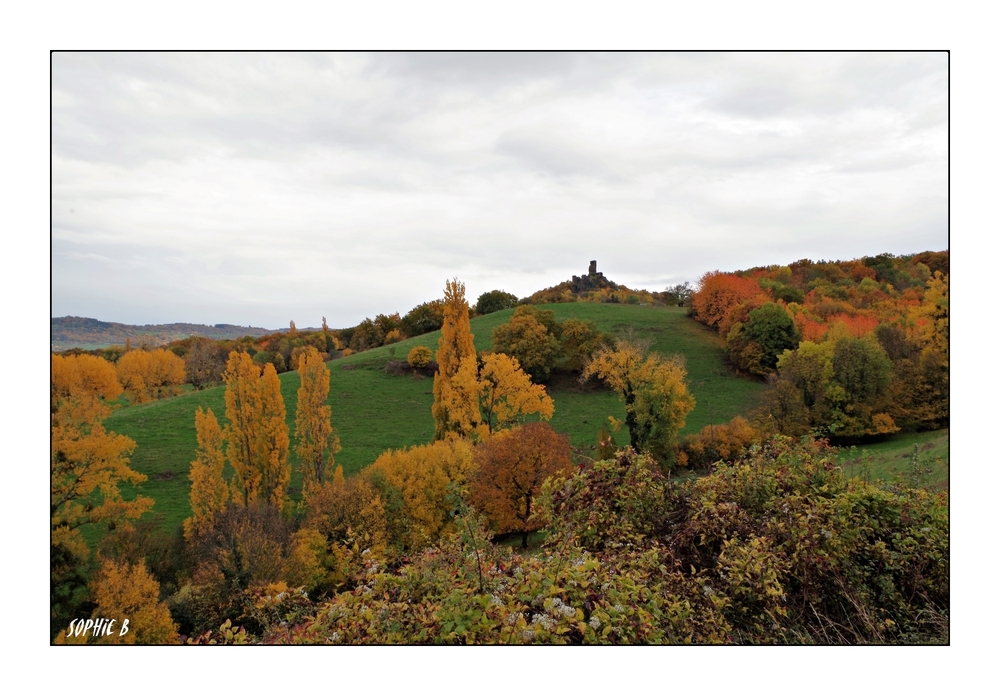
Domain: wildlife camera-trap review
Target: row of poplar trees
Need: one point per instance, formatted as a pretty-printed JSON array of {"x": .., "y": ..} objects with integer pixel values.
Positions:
[{"x": 255, "y": 441}]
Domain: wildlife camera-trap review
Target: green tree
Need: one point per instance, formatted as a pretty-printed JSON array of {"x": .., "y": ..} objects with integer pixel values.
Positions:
[
  {"x": 653, "y": 389},
  {"x": 494, "y": 301},
  {"x": 424, "y": 318},
  {"x": 526, "y": 338},
  {"x": 769, "y": 331},
  {"x": 579, "y": 339}
]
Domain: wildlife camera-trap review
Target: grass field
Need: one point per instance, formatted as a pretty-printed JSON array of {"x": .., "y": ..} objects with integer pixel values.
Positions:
[
  {"x": 374, "y": 411},
  {"x": 892, "y": 460}
]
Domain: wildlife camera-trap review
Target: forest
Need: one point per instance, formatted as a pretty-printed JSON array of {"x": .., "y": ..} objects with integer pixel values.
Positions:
[{"x": 593, "y": 465}]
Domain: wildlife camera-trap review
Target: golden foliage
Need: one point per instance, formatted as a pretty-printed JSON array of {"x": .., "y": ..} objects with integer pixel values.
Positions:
[
  {"x": 419, "y": 357},
  {"x": 423, "y": 475},
  {"x": 87, "y": 466},
  {"x": 718, "y": 442},
  {"x": 930, "y": 318},
  {"x": 209, "y": 491},
  {"x": 346, "y": 520},
  {"x": 393, "y": 336},
  {"x": 454, "y": 346},
  {"x": 125, "y": 591},
  {"x": 496, "y": 396},
  {"x": 148, "y": 375},
  {"x": 84, "y": 374},
  {"x": 317, "y": 443},
  {"x": 257, "y": 435}
]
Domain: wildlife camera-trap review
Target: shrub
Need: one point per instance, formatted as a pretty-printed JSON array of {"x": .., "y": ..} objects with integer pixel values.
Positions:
[{"x": 419, "y": 357}]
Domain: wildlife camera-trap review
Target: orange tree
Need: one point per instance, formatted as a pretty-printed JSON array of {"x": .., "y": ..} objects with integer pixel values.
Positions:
[{"x": 510, "y": 470}]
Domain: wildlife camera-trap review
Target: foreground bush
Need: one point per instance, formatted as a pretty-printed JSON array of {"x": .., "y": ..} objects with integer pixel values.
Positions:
[{"x": 777, "y": 547}]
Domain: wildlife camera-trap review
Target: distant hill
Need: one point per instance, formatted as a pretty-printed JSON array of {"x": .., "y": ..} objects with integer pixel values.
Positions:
[{"x": 83, "y": 332}]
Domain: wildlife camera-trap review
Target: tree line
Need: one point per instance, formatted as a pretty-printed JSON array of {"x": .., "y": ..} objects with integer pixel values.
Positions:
[{"x": 850, "y": 349}]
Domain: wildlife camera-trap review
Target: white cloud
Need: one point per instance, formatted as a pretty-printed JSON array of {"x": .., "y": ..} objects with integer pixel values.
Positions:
[{"x": 258, "y": 188}]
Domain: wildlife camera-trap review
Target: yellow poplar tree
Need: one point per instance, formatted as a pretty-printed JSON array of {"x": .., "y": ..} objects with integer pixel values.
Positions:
[
  {"x": 257, "y": 435},
  {"x": 209, "y": 492},
  {"x": 454, "y": 346},
  {"x": 274, "y": 450},
  {"x": 317, "y": 443}
]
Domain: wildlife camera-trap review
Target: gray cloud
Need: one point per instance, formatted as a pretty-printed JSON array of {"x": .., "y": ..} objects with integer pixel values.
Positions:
[{"x": 258, "y": 188}]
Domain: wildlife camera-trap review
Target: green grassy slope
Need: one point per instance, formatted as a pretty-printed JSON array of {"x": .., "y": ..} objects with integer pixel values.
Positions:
[
  {"x": 373, "y": 411},
  {"x": 892, "y": 460}
]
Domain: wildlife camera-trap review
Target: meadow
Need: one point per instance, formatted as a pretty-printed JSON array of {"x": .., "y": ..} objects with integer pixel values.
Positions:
[
  {"x": 373, "y": 410},
  {"x": 893, "y": 460}
]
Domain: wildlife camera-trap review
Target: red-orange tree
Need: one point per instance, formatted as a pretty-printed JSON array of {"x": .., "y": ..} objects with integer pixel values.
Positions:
[{"x": 511, "y": 467}]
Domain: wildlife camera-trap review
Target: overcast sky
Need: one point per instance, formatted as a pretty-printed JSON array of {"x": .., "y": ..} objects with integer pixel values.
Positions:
[{"x": 257, "y": 188}]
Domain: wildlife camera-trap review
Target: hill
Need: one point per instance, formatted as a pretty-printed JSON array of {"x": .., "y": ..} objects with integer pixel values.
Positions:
[
  {"x": 373, "y": 410},
  {"x": 87, "y": 333}
]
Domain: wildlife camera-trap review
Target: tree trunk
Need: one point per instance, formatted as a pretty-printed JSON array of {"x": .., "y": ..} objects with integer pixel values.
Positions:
[{"x": 527, "y": 514}]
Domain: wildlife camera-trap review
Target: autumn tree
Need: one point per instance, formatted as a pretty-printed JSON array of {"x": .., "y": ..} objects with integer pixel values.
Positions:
[
  {"x": 653, "y": 389},
  {"x": 346, "y": 519},
  {"x": 718, "y": 293},
  {"x": 424, "y": 476},
  {"x": 123, "y": 591},
  {"x": 204, "y": 363},
  {"x": 528, "y": 339},
  {"x": 454, "y": 346},
  {"x": 494, "y": 395},
  {"x": 510, "y": 470},
  {"x": 150, "y": 374},
  {"x": 209, "y": 491},
  {"x": 317, "y": 443},
  {"x": 87, "y": 467},
  {"x": 257, "y": 435},
  {"x": 84, "y": 375},
  {"x": 88, "y": 464},
  {"x": 419, "y": 357}
]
